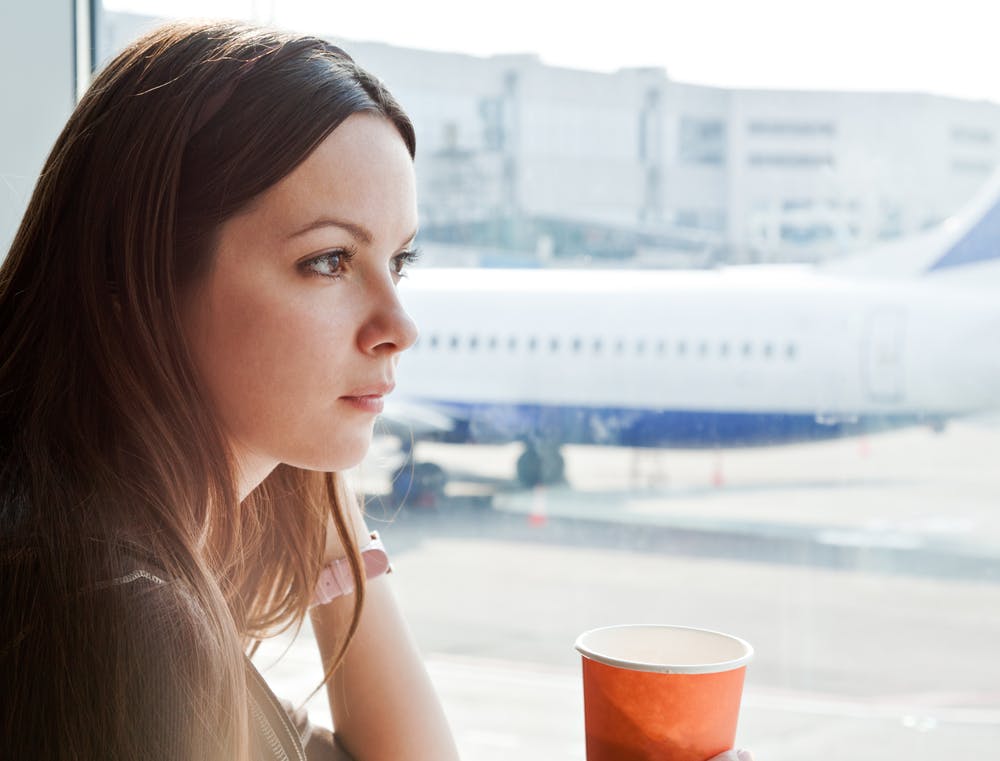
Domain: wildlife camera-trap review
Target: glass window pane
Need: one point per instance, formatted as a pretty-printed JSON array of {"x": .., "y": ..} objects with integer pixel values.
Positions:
[{"x": 704, "y": 354}]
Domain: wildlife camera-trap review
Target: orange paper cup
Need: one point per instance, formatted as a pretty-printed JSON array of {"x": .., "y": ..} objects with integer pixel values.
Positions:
[{"x": 661, "y": 693}]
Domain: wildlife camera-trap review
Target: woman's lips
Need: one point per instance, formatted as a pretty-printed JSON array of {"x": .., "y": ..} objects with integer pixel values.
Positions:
[
  {"x": 369, "y": 398},
  {"x": 372, "y": 403}
]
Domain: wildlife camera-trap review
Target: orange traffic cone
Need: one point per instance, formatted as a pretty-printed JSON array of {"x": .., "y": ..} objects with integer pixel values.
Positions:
[
  {"x": 718, "y": 475},
  {"x": 538, "y": 516},
  {"x": 864, "y": 448}
]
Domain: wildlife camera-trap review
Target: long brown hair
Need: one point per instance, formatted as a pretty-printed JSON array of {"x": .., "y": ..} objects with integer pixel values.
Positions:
[{"x": 106, "y": 437}]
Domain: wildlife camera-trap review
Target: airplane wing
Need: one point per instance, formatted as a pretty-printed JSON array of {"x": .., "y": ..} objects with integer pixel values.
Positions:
[{"x": 412, "y": 420}]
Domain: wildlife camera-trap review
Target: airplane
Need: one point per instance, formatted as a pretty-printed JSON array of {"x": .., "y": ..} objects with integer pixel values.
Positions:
[{"x": 902, "y": 335}]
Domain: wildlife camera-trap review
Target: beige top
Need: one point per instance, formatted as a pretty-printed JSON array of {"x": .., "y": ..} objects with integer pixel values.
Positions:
[{"x": 54, "y": 651}]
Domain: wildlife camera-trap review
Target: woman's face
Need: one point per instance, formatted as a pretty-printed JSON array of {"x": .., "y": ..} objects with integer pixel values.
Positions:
[{"x": 296, "y": 329}]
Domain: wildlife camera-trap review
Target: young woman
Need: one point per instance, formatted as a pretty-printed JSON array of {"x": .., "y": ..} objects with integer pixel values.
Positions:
[{"x": 198, "y": 322}]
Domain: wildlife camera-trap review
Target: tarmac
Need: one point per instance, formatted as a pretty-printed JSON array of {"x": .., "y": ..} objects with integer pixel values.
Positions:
[
  {"x": 906, "y": 488},
  {"x": 916, "y": 508}
]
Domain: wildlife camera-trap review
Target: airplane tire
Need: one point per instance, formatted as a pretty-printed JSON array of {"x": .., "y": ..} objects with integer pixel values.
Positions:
[
  {"x": 419, "y": 485},
  {"x": 538, "y": 467}
]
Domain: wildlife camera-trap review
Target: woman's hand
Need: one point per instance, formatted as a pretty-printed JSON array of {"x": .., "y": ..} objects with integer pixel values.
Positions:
[{"x": 733, "y": 755}]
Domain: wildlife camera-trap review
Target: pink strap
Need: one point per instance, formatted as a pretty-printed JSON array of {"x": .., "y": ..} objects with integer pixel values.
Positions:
[{"x": 335, "y": 579}]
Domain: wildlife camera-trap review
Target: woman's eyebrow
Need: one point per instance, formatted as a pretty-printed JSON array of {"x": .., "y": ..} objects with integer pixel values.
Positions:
[{"x": 358, "y": 232}]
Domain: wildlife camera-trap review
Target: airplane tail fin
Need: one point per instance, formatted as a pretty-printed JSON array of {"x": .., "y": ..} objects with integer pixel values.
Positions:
[
  {"x": 965, "y": 248},
  {"x": 976, "y": 234}
]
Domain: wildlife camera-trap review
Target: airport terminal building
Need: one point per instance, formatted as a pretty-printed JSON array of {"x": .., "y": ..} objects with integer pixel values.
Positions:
[{"x": 521, "y": 162}]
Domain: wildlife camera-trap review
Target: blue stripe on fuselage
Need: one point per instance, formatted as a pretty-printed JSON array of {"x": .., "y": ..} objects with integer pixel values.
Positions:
[
  {"x": 981, "y": 243},
  {"x": 493, "y": 423}
]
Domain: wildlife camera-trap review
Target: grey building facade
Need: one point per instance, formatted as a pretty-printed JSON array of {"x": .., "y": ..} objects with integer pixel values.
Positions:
[{"x": 521, "y": 162}]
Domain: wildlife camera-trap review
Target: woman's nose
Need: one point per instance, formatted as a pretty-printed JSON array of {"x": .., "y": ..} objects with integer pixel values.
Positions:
[{"x": 389, "y": 328}]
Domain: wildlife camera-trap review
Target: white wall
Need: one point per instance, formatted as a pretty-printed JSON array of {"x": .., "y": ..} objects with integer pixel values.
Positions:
[{"x": 37, "y": 94}]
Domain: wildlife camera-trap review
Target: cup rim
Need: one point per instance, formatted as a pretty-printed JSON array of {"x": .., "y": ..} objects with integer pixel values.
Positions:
[{"x": 666, "y": 668}]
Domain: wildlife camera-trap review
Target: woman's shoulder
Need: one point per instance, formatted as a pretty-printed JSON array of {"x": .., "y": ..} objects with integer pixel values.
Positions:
[
  {"x": 97, "y": 599},
  {"x": 56, "y": 579},
  {"x": 119, "y": 638},
  {"x": 113, "y": 596}
]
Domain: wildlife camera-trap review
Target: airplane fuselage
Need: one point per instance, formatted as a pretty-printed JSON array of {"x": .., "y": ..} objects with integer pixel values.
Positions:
[{"x": 731, "y": 357}]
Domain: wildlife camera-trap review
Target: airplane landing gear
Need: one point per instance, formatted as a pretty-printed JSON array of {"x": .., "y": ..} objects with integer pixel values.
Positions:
[
  {"x": 540, "y": 466},
  {"x": 418, "y": 484}
]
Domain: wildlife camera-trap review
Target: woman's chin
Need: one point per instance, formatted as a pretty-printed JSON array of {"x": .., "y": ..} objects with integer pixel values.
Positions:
[{"x": 348, "y": 454}]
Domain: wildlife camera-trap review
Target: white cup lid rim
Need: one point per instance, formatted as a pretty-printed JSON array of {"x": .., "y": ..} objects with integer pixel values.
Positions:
[{"x": 666, "y": 668}]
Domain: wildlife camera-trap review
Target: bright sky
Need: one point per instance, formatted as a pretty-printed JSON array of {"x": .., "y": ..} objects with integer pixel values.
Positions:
[{"x": 950, "y": 48}]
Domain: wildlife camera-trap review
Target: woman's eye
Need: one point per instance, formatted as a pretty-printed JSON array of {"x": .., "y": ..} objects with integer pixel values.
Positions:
[
  {"x": 402, "y": 261},
  {"x": 330, "y": 264}
]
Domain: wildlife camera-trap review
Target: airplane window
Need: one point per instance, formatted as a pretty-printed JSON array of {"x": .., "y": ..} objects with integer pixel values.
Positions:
[{"x": 690, "y": 489}]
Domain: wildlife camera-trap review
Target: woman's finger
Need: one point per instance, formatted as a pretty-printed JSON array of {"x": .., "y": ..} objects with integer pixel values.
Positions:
[{"x": 734, "y": 755}]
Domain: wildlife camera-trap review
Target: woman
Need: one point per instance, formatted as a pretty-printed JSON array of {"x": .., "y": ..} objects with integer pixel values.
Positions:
[{"x": 198, "y": 322}]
